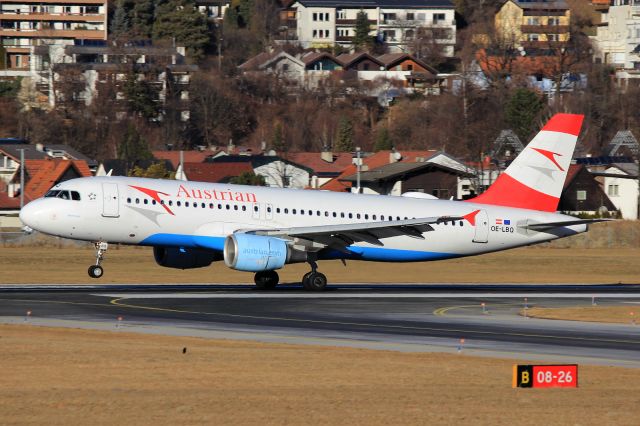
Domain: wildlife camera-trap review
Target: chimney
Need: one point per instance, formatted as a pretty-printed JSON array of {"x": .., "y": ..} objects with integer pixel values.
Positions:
[
  {"x": 394, "y": 156},
  {"x": 40, "y": 147},
  {"x": 326, "y": 154}
]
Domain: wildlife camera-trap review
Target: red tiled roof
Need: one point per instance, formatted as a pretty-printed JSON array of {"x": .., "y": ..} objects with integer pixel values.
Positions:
[
  {"x": 215, "y": 172},
  {"x": 314, "y": 161},
  {"x": 8, "y": 203},
  {"x": 372, "y": 162},
  {"x": 188, "y": 156}
]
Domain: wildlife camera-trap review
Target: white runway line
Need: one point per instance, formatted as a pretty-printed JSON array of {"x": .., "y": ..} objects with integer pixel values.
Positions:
[{"x": 368, "y": 295}]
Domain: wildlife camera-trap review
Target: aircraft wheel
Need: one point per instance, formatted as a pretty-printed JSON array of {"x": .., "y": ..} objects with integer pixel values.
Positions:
[
  {"x": 305, "y": 280},
  {"x": 95, "y": 271},
  {"x": 316, "y": 281},
  {"x": 266, "y": 280}
]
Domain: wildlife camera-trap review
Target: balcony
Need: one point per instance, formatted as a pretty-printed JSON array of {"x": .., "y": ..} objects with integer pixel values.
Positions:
[
  {"x": 344, "y": 39},
  {"x": 49, "y": 33},
  {"x": 545, "y": 29},
  {"x": 543, "y": 44},
  {"x": 57, "y": 17}
]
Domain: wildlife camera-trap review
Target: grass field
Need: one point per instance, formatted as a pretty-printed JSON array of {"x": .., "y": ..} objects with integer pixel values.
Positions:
[
  {"x": 58, "y": 376},
  {"x": 611, "y": 314},
  {"x": 68, "y": 264}
]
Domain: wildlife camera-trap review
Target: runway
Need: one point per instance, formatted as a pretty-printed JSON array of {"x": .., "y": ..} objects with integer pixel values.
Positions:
[{"x": 481, "y": 320}]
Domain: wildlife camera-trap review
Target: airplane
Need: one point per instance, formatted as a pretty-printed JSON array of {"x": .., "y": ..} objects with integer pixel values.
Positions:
[{"x": 262, "y": 229}]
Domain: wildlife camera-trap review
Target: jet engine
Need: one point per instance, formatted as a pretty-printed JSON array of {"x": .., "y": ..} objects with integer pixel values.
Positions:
[
  {"x": 182, "y": 258},
  {"x": 255, "y": 253}
]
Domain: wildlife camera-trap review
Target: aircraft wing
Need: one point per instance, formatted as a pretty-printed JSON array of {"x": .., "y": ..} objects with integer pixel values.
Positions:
[
  {"x": 551, "y": 225},
  {"x": 341, "y": 236}
]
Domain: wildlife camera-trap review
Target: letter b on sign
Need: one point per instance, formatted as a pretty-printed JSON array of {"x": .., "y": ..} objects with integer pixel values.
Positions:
[{"x": 522, "y": 376}]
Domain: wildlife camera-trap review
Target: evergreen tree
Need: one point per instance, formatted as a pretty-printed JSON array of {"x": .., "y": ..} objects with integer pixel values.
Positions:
[
  {"x": 180, "y": 21},
  {"x": 142, "y": 17},
  {"x": 277, "y": 139},
  {"x": 344, "y": 139},
  {"x": 141, "y": 96},
  {"x": 361, "y": 38},
  {"x": 133, "y": 147},
  {"x": 248, "y": 178},
  {"x": 383, "y": 140},
  {"x": 120, "y": 23},
  {"x": 521, "y": 112}
]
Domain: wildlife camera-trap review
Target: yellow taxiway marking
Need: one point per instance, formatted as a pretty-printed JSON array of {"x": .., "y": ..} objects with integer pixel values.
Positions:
[
  {"x": 117, "y": 302},
  {"x": 441, "y": 312}
]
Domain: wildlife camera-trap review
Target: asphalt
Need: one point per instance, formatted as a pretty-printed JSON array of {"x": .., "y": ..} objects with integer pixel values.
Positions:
[{"x": 481, "y": 320}]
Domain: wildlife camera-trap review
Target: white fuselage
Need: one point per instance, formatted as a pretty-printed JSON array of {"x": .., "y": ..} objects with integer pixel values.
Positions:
[{"x": 201, "y": 215}]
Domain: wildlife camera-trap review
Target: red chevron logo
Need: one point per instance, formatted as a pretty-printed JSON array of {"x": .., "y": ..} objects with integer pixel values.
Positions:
[
  {"x": 551, "y": 156},
  {"x": 154, "y": 195}
]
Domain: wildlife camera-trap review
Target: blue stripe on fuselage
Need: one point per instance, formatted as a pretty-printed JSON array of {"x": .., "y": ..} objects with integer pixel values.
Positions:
[{"x": 379, "y": 254}]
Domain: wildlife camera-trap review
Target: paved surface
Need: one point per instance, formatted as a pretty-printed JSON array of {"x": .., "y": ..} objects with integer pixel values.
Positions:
[{"x": 416, "y": 318}]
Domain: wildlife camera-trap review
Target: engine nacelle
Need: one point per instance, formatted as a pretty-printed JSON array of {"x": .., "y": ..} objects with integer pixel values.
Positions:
[
  {"x": 183, "y": 258},
  {"x": 254, "y": 253}
]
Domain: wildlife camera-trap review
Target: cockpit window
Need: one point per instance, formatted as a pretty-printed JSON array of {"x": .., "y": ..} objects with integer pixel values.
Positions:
[
  {"x": 52, "y": 193},
  {"x": 64, "y": 195},
  {"x": 75, "y": 195}
]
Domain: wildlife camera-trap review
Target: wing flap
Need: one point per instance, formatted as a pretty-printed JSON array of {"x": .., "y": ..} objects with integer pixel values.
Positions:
[{"x": 552, "y": 225}]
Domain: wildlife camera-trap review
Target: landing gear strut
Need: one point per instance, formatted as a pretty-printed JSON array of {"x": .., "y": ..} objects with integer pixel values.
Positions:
[
  {"x": 266, "y": 280},
  {"x": 314, "y": 280},
  {"x": 96, "y": 271}
]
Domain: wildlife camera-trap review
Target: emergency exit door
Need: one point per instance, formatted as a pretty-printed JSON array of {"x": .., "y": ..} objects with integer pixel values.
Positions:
[{"x": 110, "y": 200}]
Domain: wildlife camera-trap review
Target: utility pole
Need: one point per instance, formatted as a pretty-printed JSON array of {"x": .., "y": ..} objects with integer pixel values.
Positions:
[
  {"x": 21, "y": 178},
  {"x": 358, "y": 169}
]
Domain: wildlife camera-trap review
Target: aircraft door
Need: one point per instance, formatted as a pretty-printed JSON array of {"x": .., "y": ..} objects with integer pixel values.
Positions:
[
  {"x": 110, "y": 200},
  {"x": 482, "y": 227}
]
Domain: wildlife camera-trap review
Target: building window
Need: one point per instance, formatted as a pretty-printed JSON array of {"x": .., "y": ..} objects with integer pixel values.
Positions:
[
  {"x": 389, "y": 35},
  {"x": 553, "y": 21},
  {"x": 553, "y": 37},
  {"x": 533, "y": 21},
  {"x": 438, "y": 17},
  {"x": 613, "y": 190},
  {"x": 388, "y": 17},
  {"x": 533, "y": 37},
  {"x": 409, "y": 34},
  {"x": 326, "y": 33},
  {"x": 326, "y": 17},
  {"x": 411, "y": 16},
  {"x": 341, "y": 14},
  {"x": 581, "y": 195},
  {"x": 314, "y": 34},
  {"x": 315, "y": 16}
]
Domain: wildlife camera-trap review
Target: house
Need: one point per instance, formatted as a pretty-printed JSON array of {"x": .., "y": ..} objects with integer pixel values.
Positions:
[
  {"x": 278, "y": 63},
  {"x": 393, "y": 173},
  {"x": 278, "y": 172},
  {"x": 326, "y": 23},
  {"x": 324, "y": 165},
  {"x": 582, "y": 194},
  {"x": 534, "y": 25},
  {"x": 621, "y": 184},
  {"x": 191, "y": 156},
  {"x": 10, "y": 156},
  {"x": 40, "y": 176}
]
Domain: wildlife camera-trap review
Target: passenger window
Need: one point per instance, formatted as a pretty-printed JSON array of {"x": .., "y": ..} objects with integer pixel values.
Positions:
[
  {"x": 350, "y": 215},
  {"x": 286, "y": 211},
  {"x": 186, "y": 204},
  {"x": 128, "y": 200},
  {"x": 178, "y": 203},
  {"x": 277, "y": 209},
  {"x": 374, "y": 217},
  {"x": 366, "y": 216},
  {"x": 461, "y": 223},
  {"x": 235, "y": 207},
  {"x": 204, "y": 206},
  {"x": 228, "y": 206},
  {"x": 357, "y": 215},
  {"x": 219, "y": 206},
  {"x": 381, "y": 217},
  {"x": 318, "y": 213},
  {"x": 293, "y": 211},
  {"x": 335, "y": 214},
  {"x": 302, "y": 212},
  {"x": 153, "y": 202},
  {"x": 244, "y": 208},
  {"x": 310, "y": 212},
  {"x": 170, "y": 202},
  {"x": 162, "y": 202},
  {"x": 211, "y": 205},
  {"x": 137, "y": 200},
  {"x": 342, "y": 214},
  {"x": 326, "y": 214}
]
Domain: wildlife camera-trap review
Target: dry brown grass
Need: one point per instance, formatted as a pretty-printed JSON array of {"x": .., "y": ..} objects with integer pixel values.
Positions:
[
  {"x": 58, "y": 376},
  {"x": 136, "y": 265},
  {"x": 610, "y": 314}
]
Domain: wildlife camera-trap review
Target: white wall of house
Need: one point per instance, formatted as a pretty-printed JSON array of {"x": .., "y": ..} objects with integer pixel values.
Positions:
[
  {"x": 615, "y": 42},
  {"x": 282, "y": 175},
  {"x": 623, "y": 193}
]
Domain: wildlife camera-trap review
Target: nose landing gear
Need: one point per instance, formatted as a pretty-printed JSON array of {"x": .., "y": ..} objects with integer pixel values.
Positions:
[
  {"x": 96, "y": 271},
  {"x": 314, "y": 280}
]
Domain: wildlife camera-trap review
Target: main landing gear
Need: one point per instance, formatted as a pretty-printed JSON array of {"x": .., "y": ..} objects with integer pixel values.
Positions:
[
  {"x": 314, "y": 280},
  {"x": 96, "y": 271}
]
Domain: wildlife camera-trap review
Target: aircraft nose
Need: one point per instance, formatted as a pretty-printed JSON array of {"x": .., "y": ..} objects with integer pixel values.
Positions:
[{"x": 29, "y": 215}]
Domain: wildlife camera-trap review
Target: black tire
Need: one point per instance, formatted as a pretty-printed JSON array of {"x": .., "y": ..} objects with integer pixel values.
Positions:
[
  {"x": 305, "y": 280},
  {"x": 316, "y": 282},
  {"x": 95, "y": 271},
  {"x": 266, "y": 280}
]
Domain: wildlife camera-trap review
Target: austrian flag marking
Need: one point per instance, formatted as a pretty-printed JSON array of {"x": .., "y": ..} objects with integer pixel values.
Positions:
[{"x": 503, "y": 221}]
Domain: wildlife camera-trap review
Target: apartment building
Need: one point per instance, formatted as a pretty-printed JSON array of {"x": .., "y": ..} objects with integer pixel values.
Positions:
[
  {"x": 534, "y": 24},
  {"x": 28, "y": 23},
  {"x": 397, "y": 23},
  {"x": 617, "y": 41}
]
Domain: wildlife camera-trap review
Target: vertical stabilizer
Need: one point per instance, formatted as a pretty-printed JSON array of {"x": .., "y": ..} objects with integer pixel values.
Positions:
[{"x": 534, "y": 180}]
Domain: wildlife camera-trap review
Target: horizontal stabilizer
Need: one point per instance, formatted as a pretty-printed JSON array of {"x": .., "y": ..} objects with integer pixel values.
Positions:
[{"x": 552, "y": 225}]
